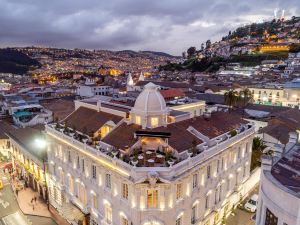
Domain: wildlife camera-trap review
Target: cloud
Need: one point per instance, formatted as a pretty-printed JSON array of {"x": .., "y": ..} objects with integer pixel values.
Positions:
[{"x": 163, "y": 25}]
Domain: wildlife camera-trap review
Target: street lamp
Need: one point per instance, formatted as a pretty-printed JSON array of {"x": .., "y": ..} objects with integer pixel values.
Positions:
[{"x": 41, "y": 143}]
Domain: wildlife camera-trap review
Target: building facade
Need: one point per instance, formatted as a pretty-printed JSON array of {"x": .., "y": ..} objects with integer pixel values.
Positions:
[
  {"x": 29, "y": 158},
  {"x": 148, "y": 170},
  {"x": 279, "y": 194}
]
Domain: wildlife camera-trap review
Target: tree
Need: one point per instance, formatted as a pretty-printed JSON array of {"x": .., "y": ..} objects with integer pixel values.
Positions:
[
  {"x": 208, "y": 44},
  {"x": 231, "y": 98},
  {"x": 202, "y": 46},
  {"x": 191, "y": 51},
  {"x": 245, "y": 97},
  {"x": 257, "y": 149}
]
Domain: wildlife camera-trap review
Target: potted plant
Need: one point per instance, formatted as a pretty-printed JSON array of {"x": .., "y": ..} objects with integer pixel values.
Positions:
[{"x": 233, "y": 133}]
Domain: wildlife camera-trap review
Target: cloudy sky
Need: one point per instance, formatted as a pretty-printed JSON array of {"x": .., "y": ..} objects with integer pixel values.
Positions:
[{"x": 160, "y": 25}]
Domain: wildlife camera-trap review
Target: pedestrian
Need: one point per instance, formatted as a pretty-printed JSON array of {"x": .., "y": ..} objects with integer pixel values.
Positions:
[
  {"x": 17, "y": 192},
  {"x": 31, "y": 200},
  {"x": 35, "y": 199}
]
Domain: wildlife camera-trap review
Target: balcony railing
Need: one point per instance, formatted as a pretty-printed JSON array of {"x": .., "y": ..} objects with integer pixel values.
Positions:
[{"x": 210, "y": 149}]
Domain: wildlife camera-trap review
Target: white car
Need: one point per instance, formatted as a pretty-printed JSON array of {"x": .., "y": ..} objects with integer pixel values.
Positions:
[{"x": 251, "y": 204}]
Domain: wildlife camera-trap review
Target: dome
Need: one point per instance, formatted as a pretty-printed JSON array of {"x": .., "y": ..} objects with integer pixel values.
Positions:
[{"x": 150, "y": 100}]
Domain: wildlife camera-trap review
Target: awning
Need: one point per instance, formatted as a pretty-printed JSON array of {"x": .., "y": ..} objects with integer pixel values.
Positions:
[{"x": 72, "y": 213}]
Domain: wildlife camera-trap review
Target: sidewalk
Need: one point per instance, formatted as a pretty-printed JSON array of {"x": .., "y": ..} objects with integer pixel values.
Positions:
[{"x": 37, "y": 208}]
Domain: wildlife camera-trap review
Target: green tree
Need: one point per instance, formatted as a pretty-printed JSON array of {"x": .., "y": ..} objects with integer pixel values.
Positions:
[
  {"x": 257, "y": 149},
  {"x": 245, "y": 97},
  {"x": 191, "y": 52},
  {"x": 231, "y": 98}
]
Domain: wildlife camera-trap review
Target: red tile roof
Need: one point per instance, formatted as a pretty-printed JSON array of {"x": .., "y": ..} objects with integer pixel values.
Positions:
[
  {"x": 180, "y": 139},
  {"x": 172, "y": 93},
  {"x": 89, "y": 120}
]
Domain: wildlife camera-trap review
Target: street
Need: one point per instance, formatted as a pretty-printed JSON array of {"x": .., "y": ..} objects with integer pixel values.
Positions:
[
  {"x": 241, "y": 216},
  {"x": 10, "y": 213}
]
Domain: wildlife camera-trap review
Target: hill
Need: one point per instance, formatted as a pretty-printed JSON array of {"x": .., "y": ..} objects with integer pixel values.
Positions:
[{"x": 16, "y": 62}]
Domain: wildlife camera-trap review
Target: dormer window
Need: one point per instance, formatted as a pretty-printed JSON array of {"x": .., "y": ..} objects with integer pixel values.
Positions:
[
  {"x": 138, "y": 120},
  {"x": 154, "y": 122}
]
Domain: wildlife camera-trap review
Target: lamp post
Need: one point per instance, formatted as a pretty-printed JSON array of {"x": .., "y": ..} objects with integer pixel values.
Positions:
[{"x": 42, "y": 144}]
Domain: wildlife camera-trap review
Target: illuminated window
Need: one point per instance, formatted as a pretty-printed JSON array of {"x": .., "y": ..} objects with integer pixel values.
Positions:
[
  {"x": 95, "y": 204},
  {"x": 71, "y": 185},
  {"x": 152, "y": 198},
  {"x": 138, "y": 120},
  {"x": 108, "y": 214},
  {"x": 178, "y": 191},
  {"x": 154, "y": 121},
  {"x": 125, "y": 191}
]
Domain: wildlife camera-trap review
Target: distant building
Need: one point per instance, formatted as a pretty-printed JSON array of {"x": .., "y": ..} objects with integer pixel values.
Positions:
[{"x": 90, "y": 89}]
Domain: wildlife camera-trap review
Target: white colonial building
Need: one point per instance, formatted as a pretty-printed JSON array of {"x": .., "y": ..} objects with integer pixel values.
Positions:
[
  {"x": 149, "y": 164},
  {"x": 279, "y": 194}
]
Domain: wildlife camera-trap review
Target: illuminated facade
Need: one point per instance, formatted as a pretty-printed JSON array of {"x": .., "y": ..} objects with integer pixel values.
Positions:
[
  {"x": 150, "y": 171},
  {"x": 274, "y": 48},
  {"x": 288, "y": 96}
]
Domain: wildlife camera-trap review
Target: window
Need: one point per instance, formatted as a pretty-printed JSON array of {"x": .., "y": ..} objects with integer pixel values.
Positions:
[
  {"x": 178, "y": 191},
  {"x": 138, "y": 120},
  {"x": 152, "y": 198},
  {"x": 125, "y": 191},
  {"x": 108, "y": 181},
  {"x": 195, "y": 181},
  {"x": 179, "y": 221},
  {"x": 71, "y": 185},
  {"x": 244, "y": 171},
  {"x": 83, "y": 167},
  {"x": 154, "y": 121},
  {"x": 207, "y": 202},
  {"x": 69, "y": 156},
  {"x": 218, "y": 166},
  {"x": 108, "y": 214},
  {"x": 239, "y": 153},
  {"x": 94, "y": 198},
  {"x": 271, "y": 219},
  {"x": 193, "y": 217},
  {"x": 78, "y": 163},
  {"x": 222, "y": 164},
  {"x": 228, "y": 184},
  {"x": 208, "y": 171},
  {"x": 124, "y": 221},
  {"x": 94, "y": 171},
  {"x": 216, "y": 195}
]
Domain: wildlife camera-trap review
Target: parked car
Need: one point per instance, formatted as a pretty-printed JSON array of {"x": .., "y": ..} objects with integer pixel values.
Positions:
[{"x": 251, "y": 204}]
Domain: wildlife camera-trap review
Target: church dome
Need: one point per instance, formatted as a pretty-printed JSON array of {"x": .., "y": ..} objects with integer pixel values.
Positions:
[{"x": 150, "y": 100}]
